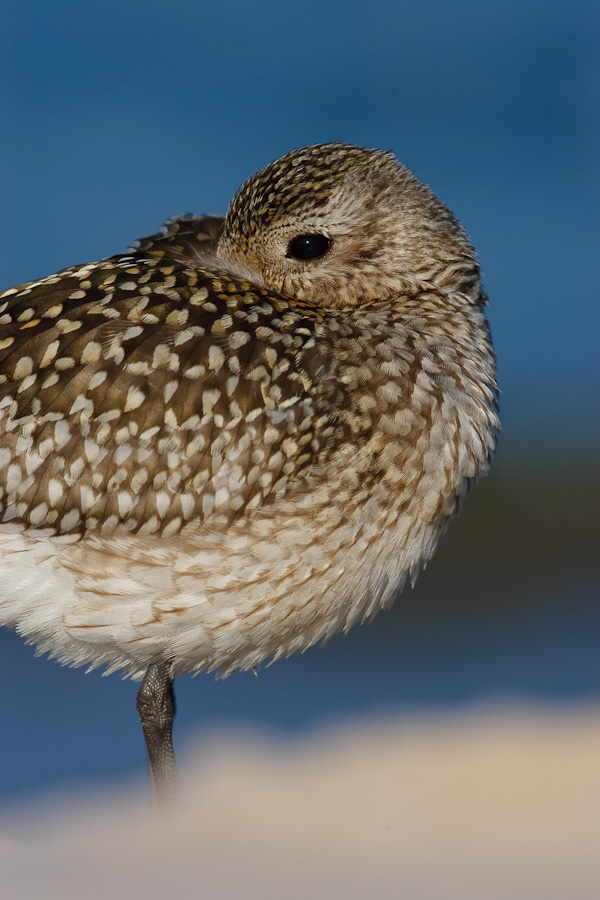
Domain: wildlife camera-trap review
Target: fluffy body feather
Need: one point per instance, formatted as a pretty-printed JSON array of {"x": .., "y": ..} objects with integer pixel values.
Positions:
[{"x": 214, "y": 453}]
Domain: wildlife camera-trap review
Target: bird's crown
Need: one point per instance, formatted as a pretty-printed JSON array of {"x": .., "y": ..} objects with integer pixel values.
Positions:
[{"x": 339, "y": 225}]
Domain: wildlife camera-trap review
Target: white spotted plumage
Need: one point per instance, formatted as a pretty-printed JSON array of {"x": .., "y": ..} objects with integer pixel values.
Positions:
[{"x": 214, "y": 453}]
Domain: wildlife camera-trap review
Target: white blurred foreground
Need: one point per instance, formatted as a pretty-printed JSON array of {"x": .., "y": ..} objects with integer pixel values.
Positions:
[{"x": 497, "y": 804}]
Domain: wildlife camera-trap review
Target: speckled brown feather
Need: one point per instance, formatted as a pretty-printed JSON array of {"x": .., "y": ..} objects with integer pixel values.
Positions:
[
  {"x": 212, "y": 359},
  {"x": 188, "y": 415}
]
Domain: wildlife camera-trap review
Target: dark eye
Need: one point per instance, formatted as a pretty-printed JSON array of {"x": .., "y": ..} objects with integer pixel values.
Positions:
[{"x": 308, "y": 246}]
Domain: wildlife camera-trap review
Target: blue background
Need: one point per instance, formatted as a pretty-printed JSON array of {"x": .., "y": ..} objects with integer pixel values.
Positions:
[{"x": 119, "y": 115}]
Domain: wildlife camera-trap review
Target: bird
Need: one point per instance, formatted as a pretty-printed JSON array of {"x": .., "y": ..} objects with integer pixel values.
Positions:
[{"x": 245, "y": 434}]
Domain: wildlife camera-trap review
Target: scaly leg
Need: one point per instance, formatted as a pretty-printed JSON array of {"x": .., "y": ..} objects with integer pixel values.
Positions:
[{"x": 156, "y": 706}]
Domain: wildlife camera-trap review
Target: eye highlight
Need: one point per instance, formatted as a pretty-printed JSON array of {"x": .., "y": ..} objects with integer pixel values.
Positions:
[{"x": 308, "y": 246}]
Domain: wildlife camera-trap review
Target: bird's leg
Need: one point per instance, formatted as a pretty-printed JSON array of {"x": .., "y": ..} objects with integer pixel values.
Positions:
[{"x": 156, "y": 706}]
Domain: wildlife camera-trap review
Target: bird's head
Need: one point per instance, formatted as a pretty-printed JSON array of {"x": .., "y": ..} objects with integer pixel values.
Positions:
[{"x": 338, "y": 226}]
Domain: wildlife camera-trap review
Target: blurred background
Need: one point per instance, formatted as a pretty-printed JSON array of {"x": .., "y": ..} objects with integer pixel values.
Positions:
[{"x": 118, "y": 115}]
